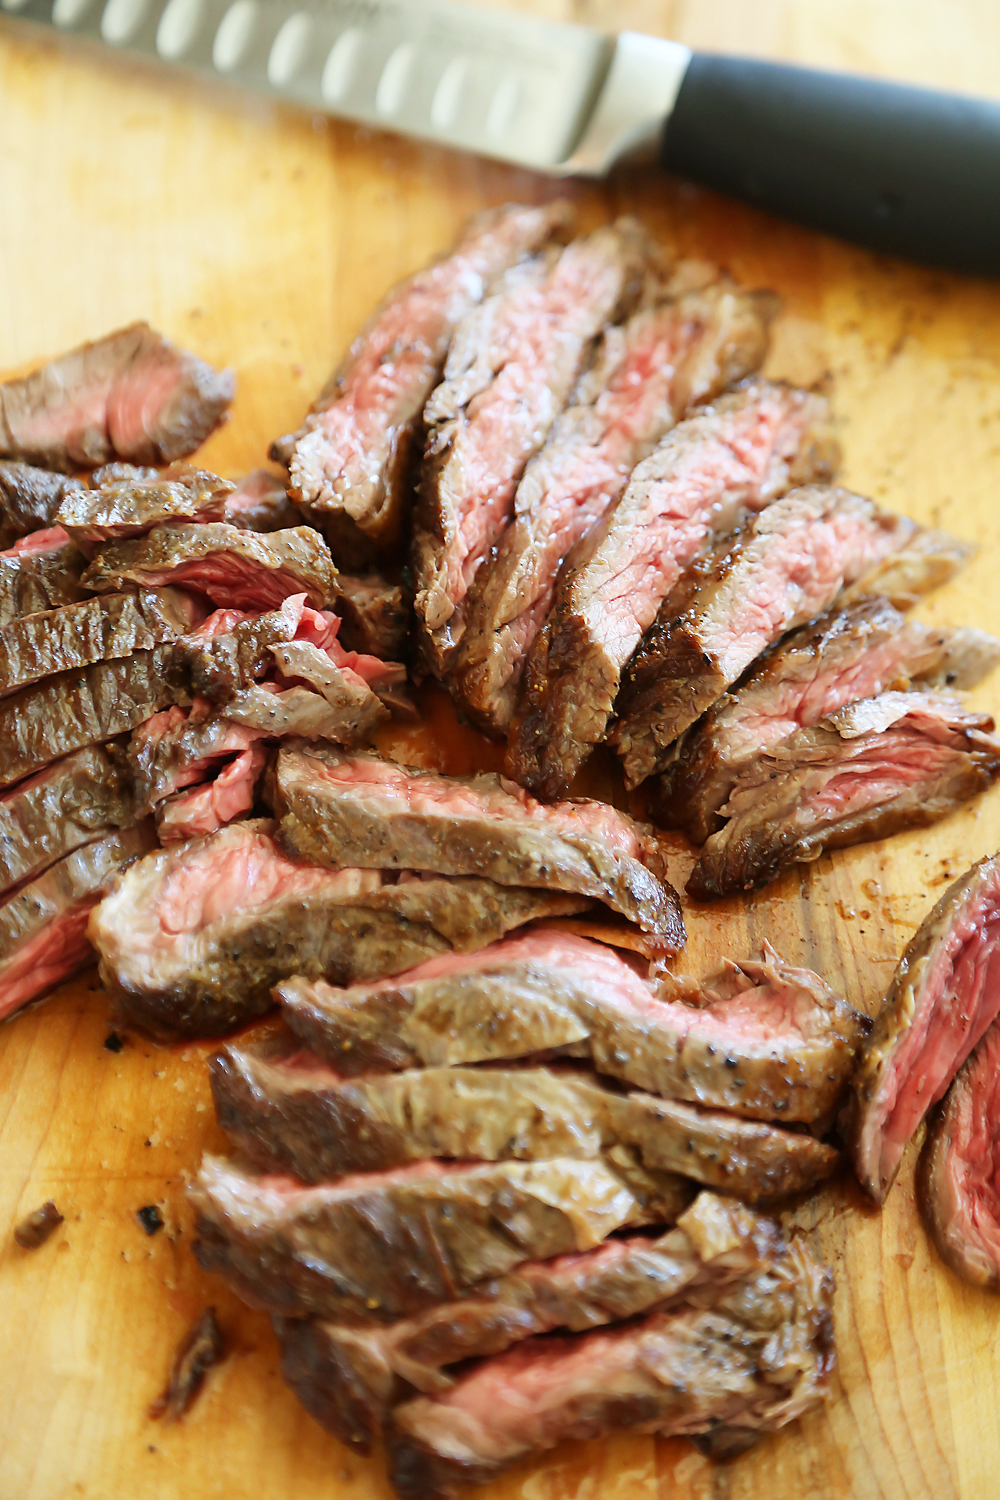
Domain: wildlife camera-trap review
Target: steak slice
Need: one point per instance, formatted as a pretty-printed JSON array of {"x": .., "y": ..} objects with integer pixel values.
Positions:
[
  {"x": 404, "y": 1240},
  {"x": 363, "y": 810},
  {"x": 762, "y": 1039},
  {"x": 259, "y": 502},
  {"x": 350, "y": 461},
  {"x": 903, "y": 760},
  {"x": 511, "y": 366},
  {"x": 131, "y": 395},
  {"x": 235, "y": 569},
  {"x": 93, "y": 630},
  {"x": 374, "y": 614},
  {"x": 43, "y": 925},
  {"x": 777, "y": 571},
  {"x": 944, "y": 997},
  {"x": 742, "y": 452},
  {"x": 286, "y": 1111},
  {"x": 725, "y": 1365},
  {"x": 29, "y": 498},
  {"x": 957, "y": 1171},
  {"x": 39, "y": 573},
  {"x": 849, "y": 653},
  {"x": 349, "y": 1377},
  {"x": 645, "y": 375},
  {"x": 134, "y": 505},
  {"x": 179, "y": 747},
  {"x": 929, "y": 560},
  {"x": 201, "y": 810},
  {"x": 192, "y": 939}
]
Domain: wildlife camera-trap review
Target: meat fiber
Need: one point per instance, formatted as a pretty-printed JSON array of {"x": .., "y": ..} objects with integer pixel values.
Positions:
[
  {"x": 903, "y": 760},
  {"x": 192, "y": 939},
  {"x": 401, "y": 1241},
  {"x": 203, "y": 809},
  {"x": 943, "y": 999},
  {"x": 131, "y": 395},
  {"x": 644, "y": 376},
  {"x": 259, "y": 502},
  {"x": 350, "y": 462},
  {"x": 234, "y": 569},
  {"x": 43, "y": 925},
  {"x": 957, "y": 1173},
  {"x": 511, "y": 366},
  {"x": 847, "y": 654},
  {"x": 29, "y": 498},
  {"x": 930, "y": 560},
  {"x": 777, "y": 571},
  {"x": 39, "y": 573},
  {"x": 132, "y": 506},
  {"x": 374, "y": 615},
  {"x": 762, "y": 1039},
  {"x": 363, "y": 810},
  {"x": 740, "y": 453}
]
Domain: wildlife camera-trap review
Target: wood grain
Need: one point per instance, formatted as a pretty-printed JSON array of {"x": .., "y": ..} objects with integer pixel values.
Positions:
[{"x": 261, "y": 238}]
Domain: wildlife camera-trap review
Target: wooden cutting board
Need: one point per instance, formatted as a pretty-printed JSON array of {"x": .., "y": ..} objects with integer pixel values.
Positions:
[{"x": 262, "y": 238}]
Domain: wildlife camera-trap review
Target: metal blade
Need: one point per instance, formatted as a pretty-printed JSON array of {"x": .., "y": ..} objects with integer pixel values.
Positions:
[{"x": 554, "y": 97}]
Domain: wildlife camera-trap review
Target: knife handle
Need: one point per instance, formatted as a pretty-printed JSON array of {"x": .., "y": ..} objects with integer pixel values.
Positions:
[{"x": 905, "y": 170}]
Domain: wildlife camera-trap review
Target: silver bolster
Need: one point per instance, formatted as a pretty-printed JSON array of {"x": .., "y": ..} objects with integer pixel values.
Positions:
[{"x": 636, "y": 98}]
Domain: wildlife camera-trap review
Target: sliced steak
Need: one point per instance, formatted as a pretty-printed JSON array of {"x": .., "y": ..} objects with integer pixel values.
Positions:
[
  {"x": 903, "y": 760},
  {"x": 849, "y": 653},
  {"x": 43, "y": 925},
  {"x": 93, "y": 630},
  {"x": 29, "y": 498},
  {"x": 201, "y": 810},
  {"x": 235, "y": 569},
  {"x": 302, "y": 713},
  {"x": 350, "y": 461},
  {"x": 724, "y": 1367},
  {"x": 740, "y": 453},
  {"x": 643, "y": 378},
  {"x": 363, "y": 810},
  {"x": 180, "y": 747},
  {"x": 944, "y": 997},
  {"x": 375, "y": 615},
  {"x": 192, "y": 940},
  {"x": 929, "y": 560},
  {"x": 957, "y": 1172},
  {"x": 287, "y": 1111},
  {"x": 259, "y": 502},
  {"x": 38, "y": 573},
  {"x": 131, "y": 395},
  {"x": 762, "y": 1039},
  {"x": 404, "y": 1240},
  {"x": 777, "y": 571},
  {"x": 360, "y": 710},
  {"x": 511, "y": 366},
  {"x": 132, "y": 506}
]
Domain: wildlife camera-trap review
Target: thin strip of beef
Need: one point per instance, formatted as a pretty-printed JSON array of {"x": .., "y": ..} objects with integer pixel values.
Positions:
[
  {"x": 859, "y": 651},
  {"x": 130, "y": 395},
  {"x": 401, "y": 1241},
  {"x": 375, "y": 615},
  {"x": 644, "y": 376},
  {"x": 235, "y": 569},
  {"x": 43, "y": 925},
  {"x": 134, "y": 505},
  {"x": 350, "y": 461},
  {"x": 259, "y": 502},
  {"x": 38, "y": 573},
  {"x": 740, "y": 453},
  {"x": 903, "y": 760},
  {"x": 29, "y": 498},
  {"x": 363, "y": 810},
  {"x": 943, "y": 998},
  {"x": 510, "y": 368},
  {"x": 762, "y": 1039},
  {"x": 776, "y": 572},
  {"x": 93, "y": 630},
  {"x": 201, "y": 810},
  {"x": 957, "y": 1174},
  {"x": 192, "y": 940},
  {"x": 723, "y": 1367},
  {"x": 928, "y": 561}
]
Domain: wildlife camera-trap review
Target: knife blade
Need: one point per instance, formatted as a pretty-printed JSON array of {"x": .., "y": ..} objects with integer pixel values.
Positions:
[{"x": 906, "y": 170}]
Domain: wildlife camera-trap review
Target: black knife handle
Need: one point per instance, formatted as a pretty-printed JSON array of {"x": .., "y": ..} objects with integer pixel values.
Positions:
[{"x": 905, "y": 170}]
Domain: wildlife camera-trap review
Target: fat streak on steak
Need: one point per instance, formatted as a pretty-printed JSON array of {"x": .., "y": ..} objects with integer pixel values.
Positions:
[
  {"x": 259, "y": 502},
  {"x": 401, "y": 1241},
  {"x": 762, "y": 1039},
  {"x": 957, "y": 1171},
  {"x": 849, "y": 653},
  {"x": 741, "y": 452},
  {"x": 643, "y": 378},
  {"x": 131, "y": 395},
  {"x": 43, "y": 925},
  {"x": 943, "y": 998},
  {"x": 511, "y": 366},
  {"x": 363, "y": 810},
  {"x": 131, "y": 506},
  {"x": 903, "y": 760},
  {"x": 29, "y": 498},
  {"x": 350, "y": 461},
  {"x": 40, "y": 572},
  {"x": 776, "y": 572}
]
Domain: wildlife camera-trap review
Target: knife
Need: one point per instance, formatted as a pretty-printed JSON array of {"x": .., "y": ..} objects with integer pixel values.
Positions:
[{"x": 910, "y": 171}]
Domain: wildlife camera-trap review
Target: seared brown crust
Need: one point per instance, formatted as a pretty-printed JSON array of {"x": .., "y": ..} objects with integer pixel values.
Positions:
[
  {"x": 375, "y": 615},
  {"x": 132, "y": 505},
  {"x": 33, "y": 582},
  {"x": 29, "y": 498}
]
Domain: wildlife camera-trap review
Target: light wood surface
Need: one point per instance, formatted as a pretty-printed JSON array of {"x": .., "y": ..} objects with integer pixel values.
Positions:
[{"x": 261, "y": 238}]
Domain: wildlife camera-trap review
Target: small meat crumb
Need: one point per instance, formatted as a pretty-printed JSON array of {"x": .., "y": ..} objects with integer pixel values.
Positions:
[
  {"x": 36, "y": 1228},
  {"x": 200, "y": 1349},
  {"x": 150, "y": 1219},
  {"x": 113, "y": 1042}
]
